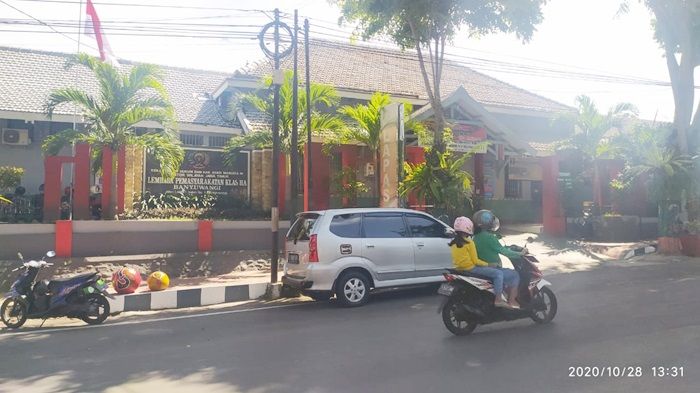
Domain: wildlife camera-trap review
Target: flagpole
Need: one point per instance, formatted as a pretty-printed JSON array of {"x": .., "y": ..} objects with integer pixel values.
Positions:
[{"x": 75, "y": 111}]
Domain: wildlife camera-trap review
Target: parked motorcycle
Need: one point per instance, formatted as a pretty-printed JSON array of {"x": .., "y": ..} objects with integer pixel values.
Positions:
[
  {"x": 82, "y": 296},
  {"x": 469, "y": 298}
]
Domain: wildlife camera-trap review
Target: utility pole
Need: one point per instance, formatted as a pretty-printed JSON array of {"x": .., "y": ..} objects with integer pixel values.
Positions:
[
  {"x": 277, "y": 80},
  {"x": 276, "y": 153},
  {"x": 308, "y": 200},
  {"x": 294, "y": 202}
]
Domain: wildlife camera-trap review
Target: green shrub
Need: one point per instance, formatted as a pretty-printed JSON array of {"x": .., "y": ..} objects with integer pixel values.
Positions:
[{"x": 10, "y": 177}]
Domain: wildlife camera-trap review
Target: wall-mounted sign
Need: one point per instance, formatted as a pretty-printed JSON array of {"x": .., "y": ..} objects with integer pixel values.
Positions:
[
  {"x": 524, "y": 169},
  {"x": 202, "y": 172},
  {"x": 467, "y": 137}
]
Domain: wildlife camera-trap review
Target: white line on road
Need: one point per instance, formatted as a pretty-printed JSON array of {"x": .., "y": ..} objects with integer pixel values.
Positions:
[{"x": 209, "y": 314}]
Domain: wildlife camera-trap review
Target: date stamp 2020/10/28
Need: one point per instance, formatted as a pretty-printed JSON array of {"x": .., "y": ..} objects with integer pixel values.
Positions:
[{"x": 626, "y": 371}]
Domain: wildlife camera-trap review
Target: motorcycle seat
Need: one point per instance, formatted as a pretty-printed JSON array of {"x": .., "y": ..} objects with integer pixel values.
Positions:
[
  {"x": 468, "y": 274},
  {"x": 61, "y": 282}
]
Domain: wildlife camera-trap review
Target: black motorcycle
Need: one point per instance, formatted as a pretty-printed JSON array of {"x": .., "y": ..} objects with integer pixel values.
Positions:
[
  {"x": 82, "y": 296},
  {"x": 469, "y": 298}
]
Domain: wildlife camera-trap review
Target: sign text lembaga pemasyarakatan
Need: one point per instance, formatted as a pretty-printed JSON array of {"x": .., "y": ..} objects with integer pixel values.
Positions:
[{"x": 202, "y": 172}]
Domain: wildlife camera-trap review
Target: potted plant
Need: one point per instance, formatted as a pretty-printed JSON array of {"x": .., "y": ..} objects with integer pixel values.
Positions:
[{"x": 690, "y": 242}]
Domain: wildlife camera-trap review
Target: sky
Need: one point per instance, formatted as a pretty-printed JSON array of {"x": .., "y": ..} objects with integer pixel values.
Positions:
[{"x": 576, "y": 37}]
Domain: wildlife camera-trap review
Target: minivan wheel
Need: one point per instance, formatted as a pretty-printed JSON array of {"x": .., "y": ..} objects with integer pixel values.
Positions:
[{"x": 352, "y": 289}]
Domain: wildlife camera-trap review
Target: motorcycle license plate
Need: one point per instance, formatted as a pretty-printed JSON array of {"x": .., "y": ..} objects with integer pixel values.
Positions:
[{"x": 445, "y": 289}]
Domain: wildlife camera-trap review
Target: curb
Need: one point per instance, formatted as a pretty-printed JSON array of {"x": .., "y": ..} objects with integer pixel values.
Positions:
[
  {"x": 186, "y": 297},
  {"x": 652, "y": 248}
]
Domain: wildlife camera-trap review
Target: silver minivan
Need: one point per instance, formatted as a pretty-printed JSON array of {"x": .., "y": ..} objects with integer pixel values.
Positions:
[{"x": 349, "y": 252}]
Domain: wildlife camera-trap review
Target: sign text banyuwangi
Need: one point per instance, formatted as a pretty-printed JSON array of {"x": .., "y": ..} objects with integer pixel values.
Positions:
[{"x": 202, "y": 172}]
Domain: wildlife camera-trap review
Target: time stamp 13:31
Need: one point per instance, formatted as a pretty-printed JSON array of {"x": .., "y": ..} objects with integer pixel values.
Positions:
[{"x": 626, "y": 371}]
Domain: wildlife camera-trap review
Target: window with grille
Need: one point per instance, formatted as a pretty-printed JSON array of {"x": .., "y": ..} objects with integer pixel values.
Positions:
[
  {"x": 514, "y": 189},
  {"x": 218, "y": 141},
  {"x": 192, "y": 140}
]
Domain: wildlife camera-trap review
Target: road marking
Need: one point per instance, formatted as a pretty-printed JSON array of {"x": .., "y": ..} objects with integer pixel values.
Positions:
[{"x": 54, "y": 330}]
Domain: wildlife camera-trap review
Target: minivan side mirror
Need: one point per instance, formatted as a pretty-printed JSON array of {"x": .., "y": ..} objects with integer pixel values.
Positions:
[{"x": 449, "y": 233}]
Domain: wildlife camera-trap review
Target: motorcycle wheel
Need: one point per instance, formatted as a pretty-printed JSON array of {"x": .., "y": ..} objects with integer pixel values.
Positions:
[
  {"x": 14, "y": 312},
  {"x": 550, "y": 301},
  {"x": 98, "y": 309},
  {"x": 455, "y": 325}
]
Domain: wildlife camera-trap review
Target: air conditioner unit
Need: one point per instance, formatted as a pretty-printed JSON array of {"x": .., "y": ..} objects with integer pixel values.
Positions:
[{"x": 14, "y": 136}]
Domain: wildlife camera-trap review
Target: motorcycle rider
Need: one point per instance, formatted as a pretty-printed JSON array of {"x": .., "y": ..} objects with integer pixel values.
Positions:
[
  {"x": 464, "y": 257},
  {"x": 488, "y": 247}
]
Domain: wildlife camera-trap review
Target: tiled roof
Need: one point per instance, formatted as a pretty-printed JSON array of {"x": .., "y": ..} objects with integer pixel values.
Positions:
[
  {"x": 365, "y": 68},
  {"x": 28, "y": 77}
]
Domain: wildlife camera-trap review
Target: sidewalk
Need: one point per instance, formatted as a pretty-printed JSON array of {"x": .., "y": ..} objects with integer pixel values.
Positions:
[{"x": 196, "y": 279}]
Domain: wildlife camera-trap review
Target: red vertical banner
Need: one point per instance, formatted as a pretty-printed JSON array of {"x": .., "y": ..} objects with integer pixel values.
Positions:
[
  {"x": 106, "y": 179},
  {"x": 205, "y": 236},
  {"x": 64, "y": 238},
  {"x": 81, "y": 182},
  {"x": 121, "y": 179}
]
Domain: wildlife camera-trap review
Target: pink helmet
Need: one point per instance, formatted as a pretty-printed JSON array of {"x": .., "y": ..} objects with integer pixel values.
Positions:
[{"x": 463, "y": 224}]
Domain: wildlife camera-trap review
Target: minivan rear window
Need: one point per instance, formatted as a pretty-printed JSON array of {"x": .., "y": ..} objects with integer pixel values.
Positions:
[
  {"x": 302, "y": 227},
  {"x": 346, "y": 225}
]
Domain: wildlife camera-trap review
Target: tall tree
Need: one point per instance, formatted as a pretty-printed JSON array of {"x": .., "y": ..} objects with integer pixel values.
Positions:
[
  {"x": 110, "y": 117},
  {"x": 428, "y": 25},
  {"x": 676, "y": 26}
]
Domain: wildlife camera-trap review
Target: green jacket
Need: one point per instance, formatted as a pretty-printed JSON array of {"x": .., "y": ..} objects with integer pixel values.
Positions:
[{"x": 488, "y": 247}]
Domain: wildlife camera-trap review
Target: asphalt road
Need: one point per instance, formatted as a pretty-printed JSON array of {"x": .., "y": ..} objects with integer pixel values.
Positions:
[{"x": 639, "y": 315}]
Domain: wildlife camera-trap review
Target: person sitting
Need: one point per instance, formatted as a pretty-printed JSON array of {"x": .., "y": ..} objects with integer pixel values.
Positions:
[
  {"x": 488, "y": 246},
  {"x": 464, "y": 257}
]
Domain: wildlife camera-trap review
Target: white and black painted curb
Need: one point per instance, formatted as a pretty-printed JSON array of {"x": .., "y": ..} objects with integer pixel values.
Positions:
[
  {"x": 186, "y": 297},
  {"x": 640, "y": 251}
]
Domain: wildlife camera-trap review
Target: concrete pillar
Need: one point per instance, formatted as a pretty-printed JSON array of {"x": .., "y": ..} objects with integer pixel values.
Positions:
[
  {"x": 553, "y": 218},
  {"x": 388, "y": 147},
  {"x": 256, "y": 176},
  {"x": 121, "y": 178},
  {"x": 106, "y": 180},
  {"x": 266, "y": 179}
]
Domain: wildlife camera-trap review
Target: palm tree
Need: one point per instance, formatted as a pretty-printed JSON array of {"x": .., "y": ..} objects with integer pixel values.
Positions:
[
  {"x": 110, "y": 117},
  {"x": 591, "y": 134},
  {"x": 322, "y": 96},
  {"x": 367, "y": 127},
  {"x": 650, "y": 158},
  {"x": 446, "y": 185}
]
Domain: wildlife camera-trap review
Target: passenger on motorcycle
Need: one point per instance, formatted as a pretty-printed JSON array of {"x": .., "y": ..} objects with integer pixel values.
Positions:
[{"x": 464, "y": 257}]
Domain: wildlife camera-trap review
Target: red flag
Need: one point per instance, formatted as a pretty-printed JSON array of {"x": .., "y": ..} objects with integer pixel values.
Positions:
[{"x": 95, "y": 29}]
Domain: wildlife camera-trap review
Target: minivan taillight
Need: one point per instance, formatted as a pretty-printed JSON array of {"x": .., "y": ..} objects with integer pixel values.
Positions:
[{"x": 313, "y": 248}]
